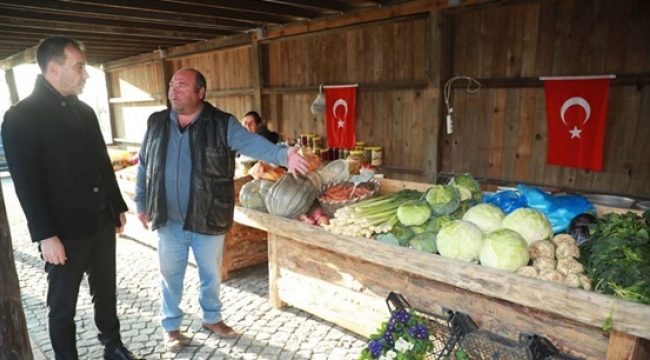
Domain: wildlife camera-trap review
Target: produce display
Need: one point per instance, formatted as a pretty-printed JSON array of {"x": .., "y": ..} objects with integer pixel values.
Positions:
[{"x": 610, "y": 254}]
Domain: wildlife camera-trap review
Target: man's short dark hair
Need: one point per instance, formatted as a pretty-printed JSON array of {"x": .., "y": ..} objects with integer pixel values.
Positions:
[{"x": 53, "y": 49}]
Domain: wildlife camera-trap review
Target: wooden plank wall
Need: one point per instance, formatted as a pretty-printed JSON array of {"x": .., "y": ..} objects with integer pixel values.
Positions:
[
  {"x": 134, "y": 93},
  {"x": 228, "y": 76},
  {"x": 500, "y": 132},
  {"x": 386, "y": 59}
]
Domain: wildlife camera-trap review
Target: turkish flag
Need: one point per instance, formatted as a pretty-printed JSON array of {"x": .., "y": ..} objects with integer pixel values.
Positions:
[
  {"x": 340, "y": 112},
  {"x": 576, "y": 110}
]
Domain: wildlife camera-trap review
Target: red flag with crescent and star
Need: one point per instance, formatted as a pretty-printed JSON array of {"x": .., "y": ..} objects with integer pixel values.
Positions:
[
  {"x": 341, "y": 106},
  {"x": 576, "y": 112}
]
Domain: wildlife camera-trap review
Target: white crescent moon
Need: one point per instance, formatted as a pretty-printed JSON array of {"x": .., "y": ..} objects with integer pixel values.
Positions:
[
  {"x": 340, "y": 102},
  {"x": 577, "y": 101}
]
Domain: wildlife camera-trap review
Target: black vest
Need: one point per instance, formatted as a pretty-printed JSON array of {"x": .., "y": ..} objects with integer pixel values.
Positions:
[{"x": 212, "y": 191}]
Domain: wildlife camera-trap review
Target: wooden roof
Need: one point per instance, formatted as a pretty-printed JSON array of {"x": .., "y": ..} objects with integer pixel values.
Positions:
[{"x": 116, "y": 29}]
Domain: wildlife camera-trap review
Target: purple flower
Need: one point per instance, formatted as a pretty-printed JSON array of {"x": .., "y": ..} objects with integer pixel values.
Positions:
[
  {"x": 419, "y": 332},
  {"x": 388, "y": 338},
  {"x": 391, "y": 326},
  {"x": 375, "y": 347},
  {"x": 401, "y": 316}
]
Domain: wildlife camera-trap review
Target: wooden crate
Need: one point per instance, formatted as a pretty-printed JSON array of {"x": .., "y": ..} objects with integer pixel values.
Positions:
[{"x": 244, "y": 245}]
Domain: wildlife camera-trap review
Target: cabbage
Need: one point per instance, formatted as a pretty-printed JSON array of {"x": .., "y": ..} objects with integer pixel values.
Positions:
[
  {"x": 462, "y": 209},
  {"x": 464, "y": 191},
  {"x": 529, "y": 223},
  {"x": 420, "y": 228},
  {"x": 468, "y": 181},
  {"x": 504, "y": 249},
  {"x": 486, "y": 216},
  {"x": 413, "y": 212},
  {"x": 436, "y": 223},
  {"x": 460, "y": 239},
  {"x": 425, "y": 241},
  {"x": 398, "y": 235},
  {"x": 443, "y": 199}
]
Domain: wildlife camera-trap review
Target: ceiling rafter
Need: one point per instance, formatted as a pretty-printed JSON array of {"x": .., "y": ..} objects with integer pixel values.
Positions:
[{"x": 118, "y": 29}]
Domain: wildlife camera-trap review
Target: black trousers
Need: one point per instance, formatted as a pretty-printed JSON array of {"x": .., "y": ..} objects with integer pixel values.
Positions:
[{"x": 94, "y": 257}]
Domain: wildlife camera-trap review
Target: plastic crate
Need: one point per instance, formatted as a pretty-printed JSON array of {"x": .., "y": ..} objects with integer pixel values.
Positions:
[
  {"x": 542, "y": 349},
  {"x": 440, "y": 326},
  {"x": 484, "y": 345}
]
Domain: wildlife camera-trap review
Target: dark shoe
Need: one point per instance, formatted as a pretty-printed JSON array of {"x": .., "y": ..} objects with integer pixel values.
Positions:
[
  {"x": 221, "y": 329},
  {"x": 121, "y": 353},
  {"x": 174, "y": 340}
]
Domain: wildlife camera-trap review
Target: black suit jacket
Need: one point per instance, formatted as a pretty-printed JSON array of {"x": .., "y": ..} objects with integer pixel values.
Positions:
[{"x": 59, "y": 164}]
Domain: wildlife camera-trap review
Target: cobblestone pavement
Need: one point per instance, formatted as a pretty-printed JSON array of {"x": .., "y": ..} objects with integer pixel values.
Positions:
[{"x": 266, "y": 332}]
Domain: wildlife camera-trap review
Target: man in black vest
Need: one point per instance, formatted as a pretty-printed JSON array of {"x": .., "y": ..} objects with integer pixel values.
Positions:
[{"x": 66, "y": 186}]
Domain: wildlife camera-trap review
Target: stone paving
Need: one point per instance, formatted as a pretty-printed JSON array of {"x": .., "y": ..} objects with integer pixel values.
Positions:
[{"x": 266, "y": 332}]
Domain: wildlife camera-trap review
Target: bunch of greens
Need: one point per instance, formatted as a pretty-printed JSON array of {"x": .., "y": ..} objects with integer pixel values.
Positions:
[
  {"x": 617, "y": 256},
  {"x": 404, "y": 336}
]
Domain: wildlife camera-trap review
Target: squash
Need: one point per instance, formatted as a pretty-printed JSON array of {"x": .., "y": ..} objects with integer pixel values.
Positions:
[
  {"x": 316, "y": 179},
  {"x": 291, "y": 197},
  {"x": 253, "y": 193}
]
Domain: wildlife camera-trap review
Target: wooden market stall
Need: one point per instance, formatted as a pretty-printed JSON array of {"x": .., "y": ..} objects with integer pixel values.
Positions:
[{"x": 346, "y": 280}]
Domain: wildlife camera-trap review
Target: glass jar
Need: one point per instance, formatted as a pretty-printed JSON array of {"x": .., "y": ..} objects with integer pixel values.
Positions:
[
  {"x": 367, "y": 154},
  {"x": 304, "y": 140},
  {"x": 377, "y": 156},
  {"x": 325, "y": 154},
  {"x": 354, "y": 161},
  {"x": 317, "y": 141}
]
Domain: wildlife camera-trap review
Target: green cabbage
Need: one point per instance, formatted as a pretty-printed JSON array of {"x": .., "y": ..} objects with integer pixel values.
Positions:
[
  {"x": 443, "y": 199},
  {"x": 398, "y": 235},
  {"x": 462, "y": 209},
  {"x": 468, "y": 181},
  {"x": 425, "y": 241},
  {"x": 465, "y": 192},
  {"x": 504, "y": 249},
  {"x": 437, "y": 222},
  {"x": 460, "y": 240},
  {"x": 413, "y": 212},
  {"x": 531, "y": 224},
  {"x": 486, "y": 216}
]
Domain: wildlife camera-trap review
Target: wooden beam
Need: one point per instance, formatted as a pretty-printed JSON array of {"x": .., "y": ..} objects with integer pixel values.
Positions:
[
  {"x": 119, "y": 14},
  {"x": 376, "y": 86},
  {"x": 11, "y": 84},
  {"x": 437, "y": 44},
  {"x": 256, "y": 70},
  {"x": 25, "y": 57},
  {"x": 213, "y": 44},
  {"x": 366, "y": 15},
  {"x": 131, "y": 61}
]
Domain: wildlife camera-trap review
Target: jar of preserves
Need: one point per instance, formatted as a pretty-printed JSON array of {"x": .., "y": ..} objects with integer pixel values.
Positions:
[
  {"x": 367, "y": 154},
  {"x": 317, "y": 142},
  {"x": 377, "y": 156},
  {"x": 325, "y": 154},
  {"x": 304, "y": 140},
  {"x": 354, "y": 161}
]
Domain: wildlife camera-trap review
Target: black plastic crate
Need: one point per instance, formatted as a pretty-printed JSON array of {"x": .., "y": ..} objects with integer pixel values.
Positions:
[
  {"x": 440, "y": 326},
  {"x": 484, "y": 345},
  {"x": 542, "y": 349}
]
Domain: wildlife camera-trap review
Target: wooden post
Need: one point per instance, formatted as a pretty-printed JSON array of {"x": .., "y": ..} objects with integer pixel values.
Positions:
[
  {"x": 625, "y": 346},
  {"x": 14, "y": 338},
  {"x": 11, "y": 83},
  {"x": 274, "y": 273}
]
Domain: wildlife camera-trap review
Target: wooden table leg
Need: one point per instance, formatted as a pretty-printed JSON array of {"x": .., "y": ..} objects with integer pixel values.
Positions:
[{"x": 274, "y": 273}]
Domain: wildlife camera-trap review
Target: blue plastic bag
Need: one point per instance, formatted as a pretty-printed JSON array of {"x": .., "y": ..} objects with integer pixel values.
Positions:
[
  {"x": 508, "y": 200},
  {"x": 559, "y": 209}
]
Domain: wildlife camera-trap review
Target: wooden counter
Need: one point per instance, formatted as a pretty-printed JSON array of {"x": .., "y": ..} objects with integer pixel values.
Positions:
[{"x": 346, "y": 280}]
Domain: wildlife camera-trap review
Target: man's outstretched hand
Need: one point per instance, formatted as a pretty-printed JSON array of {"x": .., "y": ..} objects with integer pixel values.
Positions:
[{"x": 295, "y": 162}]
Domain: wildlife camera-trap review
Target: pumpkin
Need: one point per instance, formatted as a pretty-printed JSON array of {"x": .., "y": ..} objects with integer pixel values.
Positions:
[
  {"x": 290, "y": 197},
  {"x": 253, "y": 193},
  {"x": 316, "y": 179}
]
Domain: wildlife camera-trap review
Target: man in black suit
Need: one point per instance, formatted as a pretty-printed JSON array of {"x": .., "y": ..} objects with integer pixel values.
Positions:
[{"x": 66, "y": 186}]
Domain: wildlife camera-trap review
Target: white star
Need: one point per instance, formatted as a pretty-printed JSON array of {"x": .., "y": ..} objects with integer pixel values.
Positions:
[
  {"x": 575, "y": 132},
  {"x": 341, "y": 123}
]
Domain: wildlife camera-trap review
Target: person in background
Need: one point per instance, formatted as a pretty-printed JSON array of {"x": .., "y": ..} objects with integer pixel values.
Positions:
[
  {"x": 185, "y": 190},
  {"x": 66, "y": 186},
  {"x": 254, "y": 123}
]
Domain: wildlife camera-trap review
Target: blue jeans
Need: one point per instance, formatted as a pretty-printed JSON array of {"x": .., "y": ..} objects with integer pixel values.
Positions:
[{"x": 173, "y": 251}]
